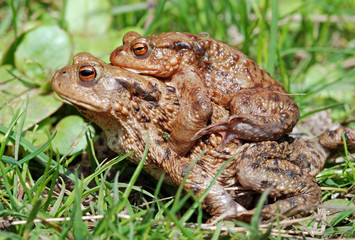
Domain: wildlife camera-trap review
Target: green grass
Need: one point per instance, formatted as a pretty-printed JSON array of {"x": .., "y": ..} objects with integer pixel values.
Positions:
[{"x": 307, "y": 45}]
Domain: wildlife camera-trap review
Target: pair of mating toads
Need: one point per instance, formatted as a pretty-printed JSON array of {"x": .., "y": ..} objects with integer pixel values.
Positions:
[{"x": 192, "y": 93}]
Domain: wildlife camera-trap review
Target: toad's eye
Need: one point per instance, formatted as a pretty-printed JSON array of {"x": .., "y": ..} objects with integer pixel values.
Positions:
[
  {"x": 87, "y": 73},
  {"x": 140, "y": 49}
]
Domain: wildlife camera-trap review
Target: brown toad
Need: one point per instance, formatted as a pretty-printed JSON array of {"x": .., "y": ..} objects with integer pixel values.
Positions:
[
  {"x": 129, "y": 107},
  {"x": 206, "y": 71}
]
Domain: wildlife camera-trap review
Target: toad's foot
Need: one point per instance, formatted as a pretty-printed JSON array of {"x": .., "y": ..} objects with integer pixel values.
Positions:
[
  {"x": 334, "y": 139},
  {"x": 260, "y": 169}
]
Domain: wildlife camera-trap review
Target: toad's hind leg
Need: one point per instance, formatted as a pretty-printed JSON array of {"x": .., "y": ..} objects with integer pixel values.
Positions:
[
  {"x": 295, "y": 189},
  {"x": 194, "y": 112},
  {"x": 256, "y": 115}
]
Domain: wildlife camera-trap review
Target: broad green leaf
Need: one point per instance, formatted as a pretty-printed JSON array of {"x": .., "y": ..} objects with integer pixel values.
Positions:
[
  {"x": 40, "y": 106},
  {"x": 84, "y": 17},
  {"x": 340, "y": 204},
  {"x": 39, "y": 135},
  {"x": 102, "y": 46},
  {"x": 69, "y": 130},
  {"x": 99, "y": 46},
  {"x": 43, "y": 50},
  {"x": 10, "y": 86}
]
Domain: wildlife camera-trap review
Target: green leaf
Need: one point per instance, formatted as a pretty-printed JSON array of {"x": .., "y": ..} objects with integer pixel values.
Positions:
[
  {"x": 9, "y": 160},
  {"x": 99, "y": 46},
  {"x": 84, "y": 17},
  {"x": 10, "y": 86},
  {"x": 40, "y": 133},
  {"x": 70, "y": 135},
  {"x": 40, "y": 106},
  {"x": 334, "y": 219},
  {"x": 43, "y": 49}
]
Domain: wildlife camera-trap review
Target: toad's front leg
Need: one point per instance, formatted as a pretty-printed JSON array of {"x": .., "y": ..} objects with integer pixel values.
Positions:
[
  {"x": 258, "y": 169},
  {"x": 195, "y": 110},
  {"x": 256, "y": 115}
]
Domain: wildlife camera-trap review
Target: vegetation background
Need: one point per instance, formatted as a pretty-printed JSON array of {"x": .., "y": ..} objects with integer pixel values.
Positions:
[{"x": 308, "y": 45}]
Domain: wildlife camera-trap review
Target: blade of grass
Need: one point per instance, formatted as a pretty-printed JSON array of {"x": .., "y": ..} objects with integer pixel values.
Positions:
[
  {"x": 124, "y": 185},
  {"x": 121, "y": 204},
  {"x": 23, "y": 184},
  {"x": 31, "y": 217},
  {"x": 255, "y": 219},
  {"x": 190, "y": 211},
  {"x": 102, "y": 188},
  {"x": 179, "y": 224},
  {"x": 303, "y": 116},
  {"x": 182, "y": 184},
  {"x": 59, "y": 200},
  {"x": 283, "y": 75},
  {"x": 14, "y": 17},
  {"x": 10, "y": 236},
  {"x": 129, "y": 8},
  {"x": 9, "y": 160},
  {"x": 348, "y": 162},
  {"x": 43, "y": 158},
  {"x": 351, "y": 233},
  {"x": 293, "y": 50},
  {"x": 217, "y": 231},
  {"x": 244, "y": 19},
  {"x": 13, "y": 214},
  {"x": 14, "y": 202},
  {"x": 20, "y": 125},
  {"x": 116, "y": 195},
  {"x": 88, "y": 179},
  {"x": 253, "y": 227},
  {"x": 273, "y": 38},
  {"x": 51, "y": 189},
  {"x": 158, "y": 12},
  {"x": 42, "y": 181},
  {"x": 160, "y": 213},
  {"x": 156, "y": 193},
  {"x": 28, "y": 157},
  {"x": 91, "y": 149},
  {"x": 5, "y": 23},
  {"x": 135, "y": 174},
  {"x": 80, "y": 230}
]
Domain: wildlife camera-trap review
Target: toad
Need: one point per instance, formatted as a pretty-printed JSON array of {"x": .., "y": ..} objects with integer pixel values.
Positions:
[
  {"x": 205, "y": 71},
  {"x": 130, "y": 107}
]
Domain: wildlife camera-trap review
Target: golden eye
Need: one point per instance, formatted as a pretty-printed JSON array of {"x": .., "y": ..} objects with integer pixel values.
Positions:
[
  {"x": 87, "y": 73},
  {"x": 140, "y": 49}
]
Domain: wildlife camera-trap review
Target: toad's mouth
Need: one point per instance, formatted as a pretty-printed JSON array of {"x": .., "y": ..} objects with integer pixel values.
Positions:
[
  {"x": 142, "y": 71},
  {"x": 80, "y": 103}
]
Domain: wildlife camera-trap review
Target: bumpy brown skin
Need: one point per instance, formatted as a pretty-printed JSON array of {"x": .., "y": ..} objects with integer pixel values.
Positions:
[
  {"x": 205, "y": 70},
  {"x": 128, "y": 106}
]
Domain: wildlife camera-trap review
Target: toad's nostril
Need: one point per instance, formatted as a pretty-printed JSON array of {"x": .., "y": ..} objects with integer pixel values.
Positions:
[
  {"x": 64, "y": 72},
  {"x": 118, "y": 51}
]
